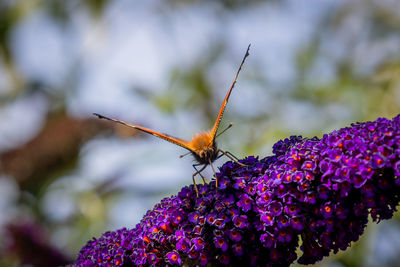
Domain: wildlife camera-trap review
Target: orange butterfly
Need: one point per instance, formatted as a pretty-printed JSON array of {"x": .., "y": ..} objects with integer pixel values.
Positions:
[{"x": 202, "y": 146}]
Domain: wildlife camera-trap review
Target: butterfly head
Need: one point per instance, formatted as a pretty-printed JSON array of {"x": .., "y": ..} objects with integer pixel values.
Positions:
[{"x": 204, "y": 147}]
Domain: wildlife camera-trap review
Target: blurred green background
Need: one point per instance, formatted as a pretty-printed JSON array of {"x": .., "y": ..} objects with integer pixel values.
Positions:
[{"x": 314, "y": 66}]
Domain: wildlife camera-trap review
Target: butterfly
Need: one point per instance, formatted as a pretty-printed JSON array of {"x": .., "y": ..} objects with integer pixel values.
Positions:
[{"x": 202, "y": 146}]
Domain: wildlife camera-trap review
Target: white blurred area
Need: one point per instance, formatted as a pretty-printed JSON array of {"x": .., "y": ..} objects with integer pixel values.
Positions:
[
  {"x": 129, "y": 48},
  {"x": 135, "y": 45}
]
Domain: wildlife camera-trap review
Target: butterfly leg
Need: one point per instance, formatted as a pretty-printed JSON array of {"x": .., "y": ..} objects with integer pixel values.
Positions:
[
  {"x": 215, "y": 175},
  {"x": 231, "y": 156},
  {"x": 194, "y": 181},
  {"x": 199, "y": 172},
  {"x": 229, "y": 153}
]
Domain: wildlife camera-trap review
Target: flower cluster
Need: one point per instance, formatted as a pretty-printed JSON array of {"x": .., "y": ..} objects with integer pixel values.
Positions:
[
  {"x": 319, "y": 190},
  {"x": 28, "y": 242}
]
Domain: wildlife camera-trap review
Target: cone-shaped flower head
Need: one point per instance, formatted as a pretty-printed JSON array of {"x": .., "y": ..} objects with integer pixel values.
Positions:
[{"x": 319, "y": 190}]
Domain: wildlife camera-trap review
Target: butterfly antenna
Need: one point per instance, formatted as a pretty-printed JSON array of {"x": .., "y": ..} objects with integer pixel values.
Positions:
[
  {"x": 109, "y": 119},
  {"x": 222, "y": 109},
  {"x": 227, "y": 128}
]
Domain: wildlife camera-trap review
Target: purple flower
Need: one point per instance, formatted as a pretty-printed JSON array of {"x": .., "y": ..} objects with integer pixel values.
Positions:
[
  {"x": 267, "y": 218},
  {"x": 210, "y": 218},
  {"x": 327, "y": 210},
  {"x": 239, "y": 183},
  {"x": 298, "y": 176},
  {"x": 198, "y": 243},
  {"x": 220, "y": 223},
  {"x": 176, "y": 218},
  {"x": 221, "y": 243},
  {"x": 193, "y": 217},
  {"x": 174, "y": 258},
  {"x": 240, "y": 221},
  {"x": 198, "y": 230},
  {"x": 245, "y": 203},
  {"x": 291, "y": 209},
  {"x": 275, "y": 207},
  {"x": 235, "y": 235},
  {"x": 264, "y": 198},
  {"x": 183, "y": 245},
  {"x": 320, "y": 190},
  {"x": 378, "y": 161},
  {"x": 283, "y": 221},
  {"x": 334, "y": 155},
  {"x": 309, "y": 166}
]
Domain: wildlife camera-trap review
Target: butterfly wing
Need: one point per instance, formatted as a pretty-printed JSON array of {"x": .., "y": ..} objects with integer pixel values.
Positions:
[
  {"x": 166, "y": 137},
  {"x": 222, "y": 109}
]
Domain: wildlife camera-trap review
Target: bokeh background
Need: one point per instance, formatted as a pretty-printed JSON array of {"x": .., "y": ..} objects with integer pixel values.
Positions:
[{"x": 314, "y": 66}]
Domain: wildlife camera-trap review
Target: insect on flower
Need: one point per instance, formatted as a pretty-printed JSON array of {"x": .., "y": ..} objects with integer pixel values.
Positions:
[{"x": 202, "y": 146}]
